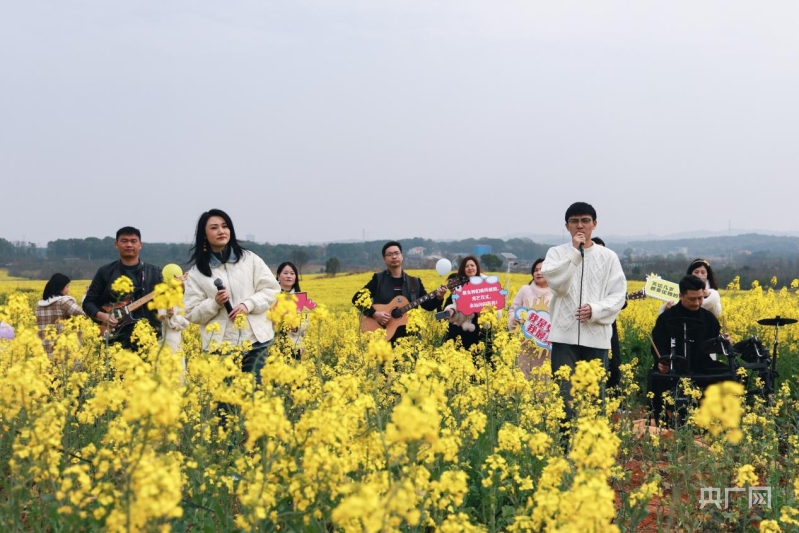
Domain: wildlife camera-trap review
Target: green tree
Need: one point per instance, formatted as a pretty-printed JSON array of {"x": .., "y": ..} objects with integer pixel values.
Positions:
[
  {"x": 490, "y": 262},
  {"x": 332, "y": 266}
]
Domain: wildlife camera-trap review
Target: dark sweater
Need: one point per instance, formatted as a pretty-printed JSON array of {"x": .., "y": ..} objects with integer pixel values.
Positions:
[{"x": 708, "y": 327}]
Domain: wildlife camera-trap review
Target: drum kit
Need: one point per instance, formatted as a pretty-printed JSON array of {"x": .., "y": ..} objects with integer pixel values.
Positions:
[{"x": 754, "y": 355}]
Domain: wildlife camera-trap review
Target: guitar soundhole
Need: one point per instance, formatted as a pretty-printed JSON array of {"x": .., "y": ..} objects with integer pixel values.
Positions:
[{"x": 396, "y": 313}]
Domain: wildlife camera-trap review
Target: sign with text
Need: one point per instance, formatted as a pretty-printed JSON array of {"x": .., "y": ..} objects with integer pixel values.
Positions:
[
  {"x": 660, "y": 289},
  {"x": 303, "y": 302},
  {"x": 536, "y": 324},
  {"x": 478, "y": 293}
]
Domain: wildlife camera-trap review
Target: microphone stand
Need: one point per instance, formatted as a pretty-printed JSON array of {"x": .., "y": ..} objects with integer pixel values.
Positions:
[{"x": 580, "y": 302}]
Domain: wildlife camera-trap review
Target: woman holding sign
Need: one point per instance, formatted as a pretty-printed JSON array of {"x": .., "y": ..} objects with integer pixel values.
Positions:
[
  {"x": 464, "y": 327},
  {"x": 531, "y": 299},
  {"x": 712, "y": 302},
  {"x": 289, "y": 282},
  {"x": 537, "y": 292}
]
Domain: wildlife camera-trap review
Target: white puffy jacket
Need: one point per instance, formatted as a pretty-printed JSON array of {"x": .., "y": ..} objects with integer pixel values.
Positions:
[{"x": 248, "y": 281}]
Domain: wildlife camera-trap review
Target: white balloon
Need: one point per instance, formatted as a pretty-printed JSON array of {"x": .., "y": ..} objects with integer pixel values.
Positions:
[{"x": 443, "y": 267}]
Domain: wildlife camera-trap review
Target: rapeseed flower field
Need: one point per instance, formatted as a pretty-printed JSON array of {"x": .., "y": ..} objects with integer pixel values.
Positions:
[{"x": 358, "y": 435}]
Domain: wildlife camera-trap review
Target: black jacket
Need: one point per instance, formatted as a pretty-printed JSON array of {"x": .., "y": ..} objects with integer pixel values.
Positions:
[
  {"x": 100, "y": 294},
  {"x": 706, "y": 327},
  {"x": 382, "y": 289}
]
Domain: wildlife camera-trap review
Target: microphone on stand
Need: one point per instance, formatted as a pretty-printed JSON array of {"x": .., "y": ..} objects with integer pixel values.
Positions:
[
  {"x": 582, "y": 273},
  {"x": 220, "y": 287}
]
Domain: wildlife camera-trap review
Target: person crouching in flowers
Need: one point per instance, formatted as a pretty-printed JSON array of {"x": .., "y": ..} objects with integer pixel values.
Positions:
[
  {"x": 464, "y": 327},
  {"x": 289, "y": 282},
  {"x": 249, "y": 289},
  {"x": 56, "y": 305}
]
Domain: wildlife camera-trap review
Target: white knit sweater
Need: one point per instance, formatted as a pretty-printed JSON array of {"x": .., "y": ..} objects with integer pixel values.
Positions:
[{"x": 604, "y": 289}]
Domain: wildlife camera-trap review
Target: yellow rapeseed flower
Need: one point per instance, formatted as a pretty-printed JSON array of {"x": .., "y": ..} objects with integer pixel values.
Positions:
[{"x": 122, "y": 286}]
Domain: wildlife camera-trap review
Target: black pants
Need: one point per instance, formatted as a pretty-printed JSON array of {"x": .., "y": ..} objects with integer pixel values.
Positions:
[{"x": 568, "y": 355}]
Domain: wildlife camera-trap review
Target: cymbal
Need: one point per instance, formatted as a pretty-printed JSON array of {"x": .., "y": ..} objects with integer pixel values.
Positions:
[
  {"x": 777, "y": 321},
  {"x": 713, "y": 345}
]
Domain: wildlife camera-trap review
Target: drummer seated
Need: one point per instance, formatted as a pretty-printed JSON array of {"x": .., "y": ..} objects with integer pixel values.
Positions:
[{"x": 701, "y": 325}]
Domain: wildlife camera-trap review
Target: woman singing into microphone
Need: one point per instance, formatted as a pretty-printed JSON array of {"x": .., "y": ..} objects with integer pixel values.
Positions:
[{"x": 248, "y": 288}]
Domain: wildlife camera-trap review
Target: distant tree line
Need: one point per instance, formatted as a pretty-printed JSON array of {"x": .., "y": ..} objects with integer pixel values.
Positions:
[{"x": 80, "y": 258}]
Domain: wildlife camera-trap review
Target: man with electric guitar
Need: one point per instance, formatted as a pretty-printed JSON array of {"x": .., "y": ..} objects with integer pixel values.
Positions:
[
  {"x": 116, "y": 313},
  {"x": 393, "y": 293}
]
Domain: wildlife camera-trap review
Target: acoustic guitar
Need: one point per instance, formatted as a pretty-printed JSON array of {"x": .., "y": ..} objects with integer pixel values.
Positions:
[
  {"x": 398, "y": 309},
  {"x": 121, "y": 311}
]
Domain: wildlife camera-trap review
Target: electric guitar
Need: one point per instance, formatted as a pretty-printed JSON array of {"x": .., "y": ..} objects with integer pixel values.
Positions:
[
  {"x": 399, "y": 307},
  {"x": 121, "y": 311}
]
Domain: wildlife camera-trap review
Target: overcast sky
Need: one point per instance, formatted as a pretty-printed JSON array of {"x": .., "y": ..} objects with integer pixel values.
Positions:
[{"x": 319, "y": 120}]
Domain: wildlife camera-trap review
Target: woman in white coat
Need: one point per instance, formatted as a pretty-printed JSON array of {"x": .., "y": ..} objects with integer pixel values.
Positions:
[
  {"x": 712, "y": 302},
  {"x": 248, "y": 288}
]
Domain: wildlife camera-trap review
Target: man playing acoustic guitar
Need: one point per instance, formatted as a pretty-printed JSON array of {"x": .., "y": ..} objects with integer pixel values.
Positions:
[
  {"x": 392, "y": 282},
  {"x": 144, "y": 277}
]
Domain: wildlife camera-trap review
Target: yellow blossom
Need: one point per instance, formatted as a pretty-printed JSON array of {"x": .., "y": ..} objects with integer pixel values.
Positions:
[{"x": 122, "y": 286}]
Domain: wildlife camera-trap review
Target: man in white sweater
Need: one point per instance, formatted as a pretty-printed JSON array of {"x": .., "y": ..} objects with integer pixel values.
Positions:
[{"x": 588, "y": 291}]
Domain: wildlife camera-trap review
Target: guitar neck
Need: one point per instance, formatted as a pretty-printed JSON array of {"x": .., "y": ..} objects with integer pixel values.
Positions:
[
  {"x": 451, "y": 284},
  {"x": 133, "y": 306},
  {"x": 419, "y": 301}
]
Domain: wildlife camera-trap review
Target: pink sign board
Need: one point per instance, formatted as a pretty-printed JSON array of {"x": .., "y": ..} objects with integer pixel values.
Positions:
[
  {"x": 303, "y": 302},
  {"x": 478, "y": 293},
  {"x": 537, "y": 325}
]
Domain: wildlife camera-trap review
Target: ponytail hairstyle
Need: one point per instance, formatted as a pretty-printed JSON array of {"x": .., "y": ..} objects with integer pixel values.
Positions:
[{"x": 201, "y": 251}]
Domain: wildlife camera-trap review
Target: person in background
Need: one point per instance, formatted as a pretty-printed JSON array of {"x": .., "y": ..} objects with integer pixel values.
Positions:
[
  {"x": 250, "y": 289},
  {"x": 536, "y": 292},
  {"x": 56, "y": 305},
  {"x": 614, "y": 359},
  {"x": 712, "y": 299},
  {"x": 288, "y": 278},
  {"x": 700, "y": 326},
  {"x": 144, "y": 276},
  {"x": 392, "y": 282},
  {"x": 464, "y": 327}
]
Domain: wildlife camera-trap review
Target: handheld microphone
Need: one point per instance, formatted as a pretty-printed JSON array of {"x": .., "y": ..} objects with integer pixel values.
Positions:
[
  {"x": 220, "y": 287},
  {"x": 582, "y": 250}
]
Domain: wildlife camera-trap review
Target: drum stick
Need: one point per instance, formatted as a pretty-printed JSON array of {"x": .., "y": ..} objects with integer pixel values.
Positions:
[{"x": 653, "y": 346}]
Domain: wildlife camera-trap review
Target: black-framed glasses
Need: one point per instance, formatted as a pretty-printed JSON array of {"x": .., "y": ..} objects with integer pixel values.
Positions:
[{"x": 584, "y": 221}]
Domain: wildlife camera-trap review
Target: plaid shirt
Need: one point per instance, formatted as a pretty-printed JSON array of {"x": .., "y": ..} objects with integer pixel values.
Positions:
[{"x": 50, "y": 314}]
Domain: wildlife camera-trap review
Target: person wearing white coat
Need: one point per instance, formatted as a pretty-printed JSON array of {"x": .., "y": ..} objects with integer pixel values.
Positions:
[{"x": 250, "y": 288}]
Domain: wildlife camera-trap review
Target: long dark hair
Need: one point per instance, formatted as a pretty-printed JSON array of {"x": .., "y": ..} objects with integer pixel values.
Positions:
[
  {"x": 462, "y": 266},
  {"x": 711, "y": 277},
  {"x": 201, "y": 251},
  {"x": 55, "y": 286},
  {"x": 285, "y": 264},
  {"x": 532, "y": 270}
]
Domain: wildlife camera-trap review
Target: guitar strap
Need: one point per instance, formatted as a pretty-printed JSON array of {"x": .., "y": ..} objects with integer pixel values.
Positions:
[{"x": 413, "y": 286}]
